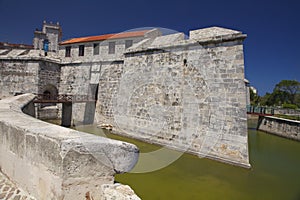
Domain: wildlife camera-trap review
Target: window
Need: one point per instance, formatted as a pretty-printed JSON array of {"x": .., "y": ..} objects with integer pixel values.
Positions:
[
  {"x": 68, "y": 51},
  {"x": 111, "y": 47},
  {"x": 96, "y": 48},
  {"x": 128, "y": 43},
  {"x": 81, "y": 50}
]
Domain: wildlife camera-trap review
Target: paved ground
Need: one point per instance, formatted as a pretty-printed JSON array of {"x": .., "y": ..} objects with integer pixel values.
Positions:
[{"x": 9, "y": 191}]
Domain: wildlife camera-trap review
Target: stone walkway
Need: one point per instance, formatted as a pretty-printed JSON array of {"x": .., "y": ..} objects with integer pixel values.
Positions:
[{"x": 9, "y": 191}]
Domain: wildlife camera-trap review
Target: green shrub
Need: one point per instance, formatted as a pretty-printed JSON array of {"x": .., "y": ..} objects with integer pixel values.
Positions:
[{"x": 289, "y": 106}]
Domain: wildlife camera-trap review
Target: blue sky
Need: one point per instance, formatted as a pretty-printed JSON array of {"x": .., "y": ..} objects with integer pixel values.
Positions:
[{"x": 272, "y": 49}]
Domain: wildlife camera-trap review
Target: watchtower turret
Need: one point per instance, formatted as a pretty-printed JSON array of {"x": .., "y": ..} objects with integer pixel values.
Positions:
[{"x": 48, "y": 38}]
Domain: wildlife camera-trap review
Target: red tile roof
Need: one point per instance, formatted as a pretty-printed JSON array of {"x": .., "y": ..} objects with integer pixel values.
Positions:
[{"x": 105, "y": 37}]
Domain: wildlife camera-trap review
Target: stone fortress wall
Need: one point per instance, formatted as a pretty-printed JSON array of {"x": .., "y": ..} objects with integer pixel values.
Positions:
[
  {"x": 82, "y": 74},
  {"x": 25, "y": 71},
  {"x": 52, "y": 162},
  {"x": 187, "y": 94},
  {"x": 18, "y": 76},
  {"x": 27, "y": 76}
]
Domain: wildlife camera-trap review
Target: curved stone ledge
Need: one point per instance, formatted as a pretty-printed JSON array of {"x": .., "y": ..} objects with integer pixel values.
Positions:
[{"x": 52, "y": 162}]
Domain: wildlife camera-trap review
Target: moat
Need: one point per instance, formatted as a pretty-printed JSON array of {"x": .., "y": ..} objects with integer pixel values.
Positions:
[{"x": 274, "y": 174}]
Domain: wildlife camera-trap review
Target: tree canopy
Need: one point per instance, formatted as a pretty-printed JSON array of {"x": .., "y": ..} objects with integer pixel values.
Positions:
[
  {"x": 289, "y": 88},
  {"x": 286, "y": 92}
]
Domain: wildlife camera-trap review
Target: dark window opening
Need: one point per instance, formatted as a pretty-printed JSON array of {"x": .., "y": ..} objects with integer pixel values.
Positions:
[
  {"x": 68, "y": 51},
  {"x": 96, "y": 48},
  {"x": 47, "y": 95},
  {"x": 81, "y": 50},
  {"x": 128, "y": 43},
  {"x": 184, "y": 62},
  {"x": 111, "y": 47},
  {"x": 46, "y": 45}
]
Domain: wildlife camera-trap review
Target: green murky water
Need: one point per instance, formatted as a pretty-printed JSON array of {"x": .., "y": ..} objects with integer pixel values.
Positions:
[{"x": 275, "y": 173}]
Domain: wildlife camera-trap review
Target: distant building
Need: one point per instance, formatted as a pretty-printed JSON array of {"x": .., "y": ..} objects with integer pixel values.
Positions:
[
  {"x": 254, "y": 90},
  {"x": 247, "y": 84}
]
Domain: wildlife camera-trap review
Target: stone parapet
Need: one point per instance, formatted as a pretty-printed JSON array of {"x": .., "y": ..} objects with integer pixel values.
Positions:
[
  {"x": 212, "y": 32},
  {"x": 205, "y": 37},
  {"x": 52, "y": 162},
  {"x": 281, "y": 127}
]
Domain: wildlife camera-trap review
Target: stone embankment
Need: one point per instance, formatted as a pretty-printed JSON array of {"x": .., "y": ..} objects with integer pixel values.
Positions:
[
  {"x": 281, "y": 127},
  {"x": 52, "y": 162}
]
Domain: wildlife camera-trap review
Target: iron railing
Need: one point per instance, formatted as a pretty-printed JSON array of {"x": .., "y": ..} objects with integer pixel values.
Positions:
[
  {"x": 260, "y": 110},
  {"x": 62, "y": 98}
]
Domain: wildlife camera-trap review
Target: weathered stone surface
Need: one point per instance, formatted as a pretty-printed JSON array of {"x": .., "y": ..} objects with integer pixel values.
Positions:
[
  {"x": 212, "y": 32},
  {"x": 18, "y": 77},
  {"x": 183, "y": 95},
  {"x": 22, "y": 76},
  {"x": 281, "y": 127},
  {"x": 53, "y": 162},
  {"x": 118, "y": 192},
  {"x": 49, "y": 112}
]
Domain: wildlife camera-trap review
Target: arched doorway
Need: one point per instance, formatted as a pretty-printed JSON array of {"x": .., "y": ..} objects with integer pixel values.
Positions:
[{"x": 50, "y": 92}]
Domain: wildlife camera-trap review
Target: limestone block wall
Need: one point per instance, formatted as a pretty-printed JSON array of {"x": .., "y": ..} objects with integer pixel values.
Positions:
[
  {"x": 18, "y": 76},
  {"x": 48, "y": 75},
  {"x": 75, "y": 80},
  {"x": 48, "y": 112},
  {"x": 281, "y": 127},
  {"x": 27, "y": 74},
  {"x": 52, "y": 162},
  {"x": 109, "y": 84},
  {"x": 54, "y": 37},
  {"x": 185, "y": 94}
]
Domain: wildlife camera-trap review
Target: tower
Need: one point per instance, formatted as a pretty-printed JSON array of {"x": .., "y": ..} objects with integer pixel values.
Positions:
[{"x": 48, "y": 38}]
